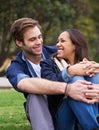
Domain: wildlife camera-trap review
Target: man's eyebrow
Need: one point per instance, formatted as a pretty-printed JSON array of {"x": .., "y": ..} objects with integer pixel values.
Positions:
[
  {"x": 32, "y": 38},
  {"x": 40, "y": 35}
]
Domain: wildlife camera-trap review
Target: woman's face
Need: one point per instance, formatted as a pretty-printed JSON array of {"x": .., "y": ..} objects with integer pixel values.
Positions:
[{"x": 65, "y": 47}]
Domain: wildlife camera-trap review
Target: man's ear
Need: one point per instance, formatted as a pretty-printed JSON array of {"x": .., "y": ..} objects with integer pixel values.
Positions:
[{"x": 18, "y": 43}]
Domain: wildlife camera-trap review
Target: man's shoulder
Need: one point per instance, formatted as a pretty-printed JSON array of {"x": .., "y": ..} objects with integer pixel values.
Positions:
[
  {"x": 49, "y": 49},
  {"x": 16, "y": 63}
]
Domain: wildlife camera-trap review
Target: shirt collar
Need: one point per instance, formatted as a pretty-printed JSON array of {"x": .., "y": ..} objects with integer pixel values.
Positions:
[{"x": 24, "y": 58}]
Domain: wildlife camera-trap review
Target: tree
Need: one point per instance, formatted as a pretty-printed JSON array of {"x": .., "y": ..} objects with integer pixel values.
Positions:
[{"x": 53, "y": 15}]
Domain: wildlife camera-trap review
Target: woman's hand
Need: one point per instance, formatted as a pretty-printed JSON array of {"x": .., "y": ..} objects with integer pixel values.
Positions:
[
  {"x": 81, "y": 68},
  {"x": 93, "y": 67},
  {"x": 84, "y": 68}
]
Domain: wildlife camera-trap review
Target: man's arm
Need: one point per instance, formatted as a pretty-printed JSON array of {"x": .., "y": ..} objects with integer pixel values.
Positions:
[{"x": 43, "y": 86}]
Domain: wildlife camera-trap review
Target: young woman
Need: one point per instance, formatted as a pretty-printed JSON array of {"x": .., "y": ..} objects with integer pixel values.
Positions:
[{"x": 72, "y": 47}]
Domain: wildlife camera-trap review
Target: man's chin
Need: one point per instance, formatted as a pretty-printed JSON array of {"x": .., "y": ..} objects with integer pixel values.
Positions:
[{"x": 38, "y": 54}]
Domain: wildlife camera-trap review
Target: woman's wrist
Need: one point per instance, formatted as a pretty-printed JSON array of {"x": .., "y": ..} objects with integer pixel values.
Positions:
[{"x": 70, "y": 70}]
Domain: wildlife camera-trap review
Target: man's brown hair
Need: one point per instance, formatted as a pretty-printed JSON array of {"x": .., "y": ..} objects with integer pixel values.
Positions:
[{"x": 20, "y": 26}]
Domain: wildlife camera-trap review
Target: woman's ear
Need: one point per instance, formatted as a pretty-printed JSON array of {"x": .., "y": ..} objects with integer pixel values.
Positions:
[
  {"x": 74, "y": 47},
  {"x": 18, "y": 43}
]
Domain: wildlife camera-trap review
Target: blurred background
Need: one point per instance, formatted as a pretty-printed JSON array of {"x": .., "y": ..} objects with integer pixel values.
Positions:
[{"x": 54, "y": 16}]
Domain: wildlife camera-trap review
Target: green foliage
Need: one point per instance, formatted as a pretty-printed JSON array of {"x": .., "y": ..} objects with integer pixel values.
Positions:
[
  {"x": 12, "y": 115},
  {"x": 54, "y": 16}
]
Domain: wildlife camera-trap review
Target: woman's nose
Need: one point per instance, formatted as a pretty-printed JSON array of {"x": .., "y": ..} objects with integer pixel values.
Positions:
[{"x": 58, "y": 44}]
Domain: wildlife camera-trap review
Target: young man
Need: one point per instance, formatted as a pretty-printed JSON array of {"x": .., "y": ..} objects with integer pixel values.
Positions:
[{"x": 24, "y": 74}]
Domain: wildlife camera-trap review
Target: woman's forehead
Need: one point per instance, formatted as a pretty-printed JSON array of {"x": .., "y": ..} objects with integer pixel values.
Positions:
[{"x": 64, "y": 34}]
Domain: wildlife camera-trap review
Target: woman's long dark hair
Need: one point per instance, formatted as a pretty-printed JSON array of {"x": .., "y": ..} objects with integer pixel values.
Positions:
[{"x": 79, "y": 40}]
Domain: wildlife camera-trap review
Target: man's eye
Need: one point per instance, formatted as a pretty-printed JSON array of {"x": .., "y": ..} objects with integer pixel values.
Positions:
[
  {"x": 40, "y": 36},
  {"x": 32, "y": 39}
]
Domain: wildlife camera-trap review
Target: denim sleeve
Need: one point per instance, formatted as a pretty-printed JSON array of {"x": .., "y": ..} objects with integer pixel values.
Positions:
[
  {"x": 65, "y": 76},
  {"x": 15, "y": 74},
  {"x": 21, "y": 76}
]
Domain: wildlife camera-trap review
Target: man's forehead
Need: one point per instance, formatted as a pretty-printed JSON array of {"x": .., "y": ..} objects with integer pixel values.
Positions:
[{"x": 32, "y": 32}]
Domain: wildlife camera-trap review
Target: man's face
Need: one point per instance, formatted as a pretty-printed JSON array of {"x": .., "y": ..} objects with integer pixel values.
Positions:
[{"x": 32, "y": 42}]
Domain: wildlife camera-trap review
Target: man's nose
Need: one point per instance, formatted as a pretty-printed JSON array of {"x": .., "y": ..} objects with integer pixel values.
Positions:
[{"x": 39, "y": 41}]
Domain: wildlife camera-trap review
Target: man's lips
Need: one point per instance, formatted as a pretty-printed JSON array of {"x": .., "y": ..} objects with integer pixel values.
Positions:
[{"x": 38, "y": 48}]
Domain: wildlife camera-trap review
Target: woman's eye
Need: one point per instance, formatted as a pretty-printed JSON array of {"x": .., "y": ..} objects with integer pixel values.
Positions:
[{"x": 62, "y": 40}]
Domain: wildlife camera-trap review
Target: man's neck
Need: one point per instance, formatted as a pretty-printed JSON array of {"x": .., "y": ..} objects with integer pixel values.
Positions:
[{"x": 34, "y": 59}]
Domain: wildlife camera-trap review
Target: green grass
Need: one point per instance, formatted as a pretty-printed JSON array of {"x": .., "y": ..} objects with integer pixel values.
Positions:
[{"x": 12, "y": 115}]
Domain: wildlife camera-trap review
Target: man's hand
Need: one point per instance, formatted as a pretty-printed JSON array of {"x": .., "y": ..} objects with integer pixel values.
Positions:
[
  {"x": 92, "y": 92},
  {"x": 77, "y": 91}
]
